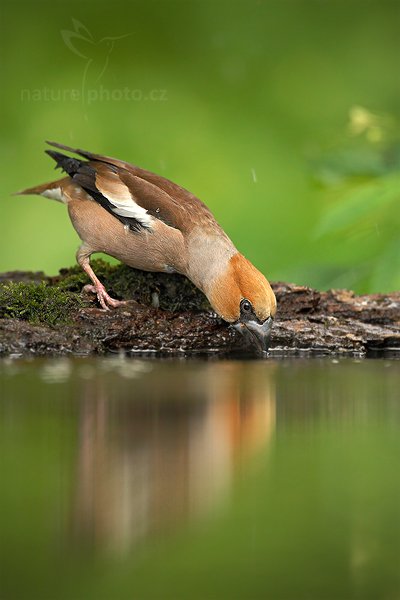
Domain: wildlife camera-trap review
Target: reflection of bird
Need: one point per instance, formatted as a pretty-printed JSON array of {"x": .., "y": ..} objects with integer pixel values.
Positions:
[
  {"x": 96, "y": 52},
  {"x": 145, "y": 468},
  {"x": 152, "y": 224}
]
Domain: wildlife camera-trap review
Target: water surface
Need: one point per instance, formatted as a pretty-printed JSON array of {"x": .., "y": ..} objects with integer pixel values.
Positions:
[{"x": 125, "y": 478}]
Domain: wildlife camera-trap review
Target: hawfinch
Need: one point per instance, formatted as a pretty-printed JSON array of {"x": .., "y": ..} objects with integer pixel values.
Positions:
[{"x": 153, "y": 224}]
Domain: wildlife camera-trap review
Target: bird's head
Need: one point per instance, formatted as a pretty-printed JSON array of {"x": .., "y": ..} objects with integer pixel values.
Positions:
[{"x": 243, "y": 297}]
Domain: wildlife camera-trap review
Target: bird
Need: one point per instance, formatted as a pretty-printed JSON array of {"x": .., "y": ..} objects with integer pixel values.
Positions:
[
  {"x": 96, "y": 52},
  {"x": 150, "y": 223}
]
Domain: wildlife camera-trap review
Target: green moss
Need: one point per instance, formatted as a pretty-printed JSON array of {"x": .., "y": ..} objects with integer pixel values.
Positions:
[
  {"x": 74, "y": 278},
  {"x": 173, "y": 292},
  {"x": 37, "y": 303},
  {"x": 54, "y": 300}
]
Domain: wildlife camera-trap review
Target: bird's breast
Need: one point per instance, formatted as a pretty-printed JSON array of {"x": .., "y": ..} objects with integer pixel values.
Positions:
[{"x": 208, "y": 256}]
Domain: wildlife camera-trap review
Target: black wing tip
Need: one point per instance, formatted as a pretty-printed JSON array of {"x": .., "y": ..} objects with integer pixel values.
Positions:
[
  {"x": 57, "y": 156},
  {"x": 84, "y": 153},
  {"x": 67, "y": 163},
  {"x": 53, "y": 153},
  {"x": 60, "y": 146}
]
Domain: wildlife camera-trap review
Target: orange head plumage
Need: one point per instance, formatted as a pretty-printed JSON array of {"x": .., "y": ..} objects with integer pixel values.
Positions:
[{"x": 244, "y": 297}]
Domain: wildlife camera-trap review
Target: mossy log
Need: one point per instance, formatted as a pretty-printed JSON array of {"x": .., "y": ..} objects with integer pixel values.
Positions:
[{"x": 166, "y": 315}]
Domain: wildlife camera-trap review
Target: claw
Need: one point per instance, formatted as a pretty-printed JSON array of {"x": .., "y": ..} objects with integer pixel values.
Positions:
[{"x": 104, "y": 299}]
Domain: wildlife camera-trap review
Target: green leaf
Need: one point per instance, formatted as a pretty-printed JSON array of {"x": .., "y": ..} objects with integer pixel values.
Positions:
[
  {"x": 358, "y": 204},
  {"x": 386, "y": 274}
]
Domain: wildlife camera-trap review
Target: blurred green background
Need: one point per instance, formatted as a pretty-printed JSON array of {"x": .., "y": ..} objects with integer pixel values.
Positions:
[{"x": 281, "y": 115}]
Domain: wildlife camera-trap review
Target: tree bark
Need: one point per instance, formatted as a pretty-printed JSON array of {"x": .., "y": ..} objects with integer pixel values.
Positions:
[{"x": 336, "y": 322}]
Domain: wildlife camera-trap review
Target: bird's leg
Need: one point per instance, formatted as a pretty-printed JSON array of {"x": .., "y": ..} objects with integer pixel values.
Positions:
[{"x": 83, "y": 258}]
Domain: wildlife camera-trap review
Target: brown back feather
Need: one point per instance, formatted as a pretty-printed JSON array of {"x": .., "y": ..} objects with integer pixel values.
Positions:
[{"x": 176, "y": 206}]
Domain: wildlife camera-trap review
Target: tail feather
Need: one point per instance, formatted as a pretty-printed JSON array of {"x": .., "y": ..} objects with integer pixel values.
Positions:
[
  {"x": 43, "y": 189},
  {"x": 68, "y": 164}
]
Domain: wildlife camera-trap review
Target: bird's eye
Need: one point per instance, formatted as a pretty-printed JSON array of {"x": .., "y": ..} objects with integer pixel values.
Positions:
[{"x": 245, "y": 306}]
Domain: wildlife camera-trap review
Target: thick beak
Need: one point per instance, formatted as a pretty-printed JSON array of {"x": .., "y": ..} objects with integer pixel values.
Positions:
[{"x": 258, "y": 334}]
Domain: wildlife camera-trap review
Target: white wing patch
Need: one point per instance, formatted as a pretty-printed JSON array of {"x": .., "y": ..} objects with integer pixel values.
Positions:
[
  {"x": 54, "y": 194},
  {"x": 122, "y": 200}
]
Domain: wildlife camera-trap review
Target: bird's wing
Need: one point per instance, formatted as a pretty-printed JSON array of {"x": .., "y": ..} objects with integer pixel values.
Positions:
[
  {"x": 131, "y": 189},
  {"x": 130, "y": 198}
]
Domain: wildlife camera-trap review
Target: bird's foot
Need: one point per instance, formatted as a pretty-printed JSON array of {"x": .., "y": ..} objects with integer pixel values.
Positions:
[{"x": 104, "y": 299}]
